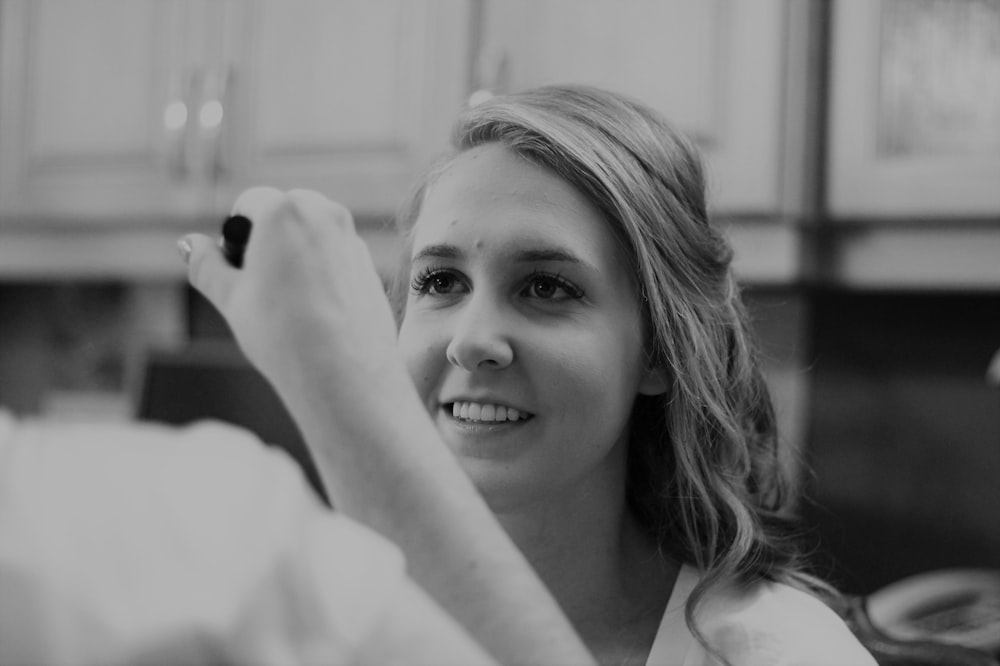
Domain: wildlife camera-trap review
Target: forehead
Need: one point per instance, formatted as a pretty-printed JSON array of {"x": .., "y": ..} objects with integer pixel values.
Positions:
[{"x": 490, "y": 197}]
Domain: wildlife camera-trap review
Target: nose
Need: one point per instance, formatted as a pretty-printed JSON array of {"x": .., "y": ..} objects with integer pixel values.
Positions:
[{"x": 480, "y": 339}]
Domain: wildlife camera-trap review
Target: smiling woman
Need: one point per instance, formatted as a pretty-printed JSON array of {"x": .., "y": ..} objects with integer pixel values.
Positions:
[
  {"x": 521, "y": 298},
  {"x": 567, "y": 432},
  {"x": 561, "y": 262}
]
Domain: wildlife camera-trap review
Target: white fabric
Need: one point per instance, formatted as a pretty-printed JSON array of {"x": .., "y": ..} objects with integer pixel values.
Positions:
[
  {"x": 144, "y": 544},
  {"x": 770, "y": 624}
]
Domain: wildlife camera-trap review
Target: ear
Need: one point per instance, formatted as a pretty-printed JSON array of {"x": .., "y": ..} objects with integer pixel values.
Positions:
[{"x": 655, "y": 381}]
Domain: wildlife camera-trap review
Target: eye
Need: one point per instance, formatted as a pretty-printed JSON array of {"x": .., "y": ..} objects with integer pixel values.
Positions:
[
  {"x": 548, "y": 287},
  {"x": 432, "y": 281}
]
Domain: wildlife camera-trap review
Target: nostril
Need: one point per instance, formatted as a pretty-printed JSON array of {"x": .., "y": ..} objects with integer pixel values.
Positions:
[{"x": 479, "y": 354}]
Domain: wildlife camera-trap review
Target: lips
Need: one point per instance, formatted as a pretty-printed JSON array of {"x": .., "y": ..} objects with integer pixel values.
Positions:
[{"x": 486, "y": 412}]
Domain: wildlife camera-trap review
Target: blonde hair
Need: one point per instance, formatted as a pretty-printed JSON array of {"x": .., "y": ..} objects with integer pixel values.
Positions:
[{"x": 705, "y": 474}]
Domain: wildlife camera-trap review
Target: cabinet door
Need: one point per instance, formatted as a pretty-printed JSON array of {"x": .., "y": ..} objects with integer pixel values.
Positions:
[
  {"x": 94, "y": 109},
  {"x": 915, "y": 109},
  {"x": 714, "y": 68},
  {"x": 349, "y": 97}
]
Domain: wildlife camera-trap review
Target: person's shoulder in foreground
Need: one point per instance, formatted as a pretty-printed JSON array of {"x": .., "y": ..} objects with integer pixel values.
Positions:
[
  {"x": 137, "y": 543},
  {"x": 763, "y": 624}
]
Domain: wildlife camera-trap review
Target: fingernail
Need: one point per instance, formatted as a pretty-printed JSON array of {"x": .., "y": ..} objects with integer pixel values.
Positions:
[{"x": 184, "y": 247}]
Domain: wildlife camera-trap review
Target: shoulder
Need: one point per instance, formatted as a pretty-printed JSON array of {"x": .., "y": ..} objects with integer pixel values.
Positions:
[
  {"x": 209, "y": 491},
  {"x": 176, "y": 537},
  {"x": 772, "y": 623}
]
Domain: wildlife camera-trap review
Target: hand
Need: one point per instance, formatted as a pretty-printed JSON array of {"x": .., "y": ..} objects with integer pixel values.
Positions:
[{"x": 308, "y": 288}]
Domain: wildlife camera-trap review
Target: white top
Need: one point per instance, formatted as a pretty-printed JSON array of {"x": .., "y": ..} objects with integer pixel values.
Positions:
[
  {"x": 128, "y": 544},
  {"x": 770, "y": 624}
]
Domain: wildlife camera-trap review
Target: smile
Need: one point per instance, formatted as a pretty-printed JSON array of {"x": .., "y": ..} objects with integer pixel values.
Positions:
[{"x": 476, "y": 412}]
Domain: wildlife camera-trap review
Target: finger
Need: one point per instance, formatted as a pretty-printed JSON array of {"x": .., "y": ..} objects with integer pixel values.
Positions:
[
  {"x": 311, "y": 205},
  {"x": 208, "y": 271},
  {"x": 259, "y": 204},
  {"x": 266, "y": 208}
]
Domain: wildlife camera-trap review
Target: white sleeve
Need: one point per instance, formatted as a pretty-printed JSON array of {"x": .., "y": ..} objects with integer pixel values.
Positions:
[
  {"x": 147, "y": 544},
  {"x": 771, "y": 624}
]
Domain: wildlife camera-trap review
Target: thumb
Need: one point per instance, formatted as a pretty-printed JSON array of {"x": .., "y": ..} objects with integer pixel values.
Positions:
[{"x": 208, "y": 271}]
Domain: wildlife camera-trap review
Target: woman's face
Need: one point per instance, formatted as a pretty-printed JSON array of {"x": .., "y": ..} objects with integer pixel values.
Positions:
[{"x": 522, "y": 329}]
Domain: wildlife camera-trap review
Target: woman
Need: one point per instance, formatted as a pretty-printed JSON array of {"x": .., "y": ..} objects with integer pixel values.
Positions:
[{"x": 573, "y": 330}]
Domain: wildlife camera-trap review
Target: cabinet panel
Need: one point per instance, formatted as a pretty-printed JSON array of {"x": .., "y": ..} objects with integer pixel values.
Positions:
[
  {"x": 597, "y": 43},
  {"x": 714, "y": 67},
  {"x": 915, "y": 109},
  {"x": 75, "y": 115},
  {"x": 340, "y": 92},
  {"x": 351, "y": 98},
  {"x": 85, "y": 89},
  {"x": 117, "y": 110}
]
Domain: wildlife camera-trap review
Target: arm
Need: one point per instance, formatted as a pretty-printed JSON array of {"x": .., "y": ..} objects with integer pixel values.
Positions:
[
  {"x": 414, "y": 630},
  {"x": 309, "y": 310}
]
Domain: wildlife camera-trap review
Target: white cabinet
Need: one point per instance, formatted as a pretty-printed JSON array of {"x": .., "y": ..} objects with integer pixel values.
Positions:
[
  {"x": 915, "y": 109},
  {"x": 719, "y": 70},
  {"x": 85, "y": 86},
  {"x": 140, "y": 110},
  {"x": 349, "y": 98},
  {"x": 914, "y": 144}
]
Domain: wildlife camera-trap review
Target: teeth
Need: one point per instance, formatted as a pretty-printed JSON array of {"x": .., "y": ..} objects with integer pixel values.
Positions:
[{"x": 474, "y": 411}]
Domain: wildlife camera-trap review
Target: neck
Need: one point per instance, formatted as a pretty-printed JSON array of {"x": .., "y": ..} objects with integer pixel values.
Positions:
[{"x": 604, "y": 571}]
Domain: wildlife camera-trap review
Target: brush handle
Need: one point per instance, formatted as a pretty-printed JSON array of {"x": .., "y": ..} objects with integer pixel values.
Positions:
[{"x": 235, "y": 236}]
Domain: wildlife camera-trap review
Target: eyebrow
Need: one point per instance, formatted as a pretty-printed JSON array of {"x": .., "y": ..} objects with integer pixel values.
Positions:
[
  {"x": 438, "y": 252},
  {"x": 444, "y": 251}
]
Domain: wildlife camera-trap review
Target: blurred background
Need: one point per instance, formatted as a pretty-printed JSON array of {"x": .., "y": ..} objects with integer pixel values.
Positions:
[{"x": 853, "y": 150}]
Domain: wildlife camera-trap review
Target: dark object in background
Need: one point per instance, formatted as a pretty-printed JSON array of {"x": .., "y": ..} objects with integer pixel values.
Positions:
[
  {"x": 889, "y": 651},
  {"x": 904, "y": 429},
  {"x": 214, "y": 380}
]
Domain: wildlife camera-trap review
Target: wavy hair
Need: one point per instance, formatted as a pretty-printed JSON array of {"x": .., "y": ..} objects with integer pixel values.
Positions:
[{"x": 705, "y": 472}]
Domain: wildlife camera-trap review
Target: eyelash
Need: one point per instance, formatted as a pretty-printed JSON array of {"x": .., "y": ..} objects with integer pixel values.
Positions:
[
  {"x": 572, "y": 291},
  {"x": 422, "y": 282}
]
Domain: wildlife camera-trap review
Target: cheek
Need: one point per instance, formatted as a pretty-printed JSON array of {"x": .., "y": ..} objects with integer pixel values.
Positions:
[
  {"x": 593, "y": 366},
  {"x": 601, "y": 382},
  {"x": 420, "y": 354},
  {"x": 601, "y": 369},
  {"x": 608, "y": 348}
]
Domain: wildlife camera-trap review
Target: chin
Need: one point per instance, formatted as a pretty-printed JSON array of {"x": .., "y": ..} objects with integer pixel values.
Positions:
[{"x": 500, "y": 484}]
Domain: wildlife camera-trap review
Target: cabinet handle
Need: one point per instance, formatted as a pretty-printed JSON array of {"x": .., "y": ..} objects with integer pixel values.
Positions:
[
  {"x": 491, "y": 63},
  {"x": 175, "y": 118},
  {"x": 176, "y": 125},
  {"x": 212, "y": 122},
  {"x": 492, "y": 76}
]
